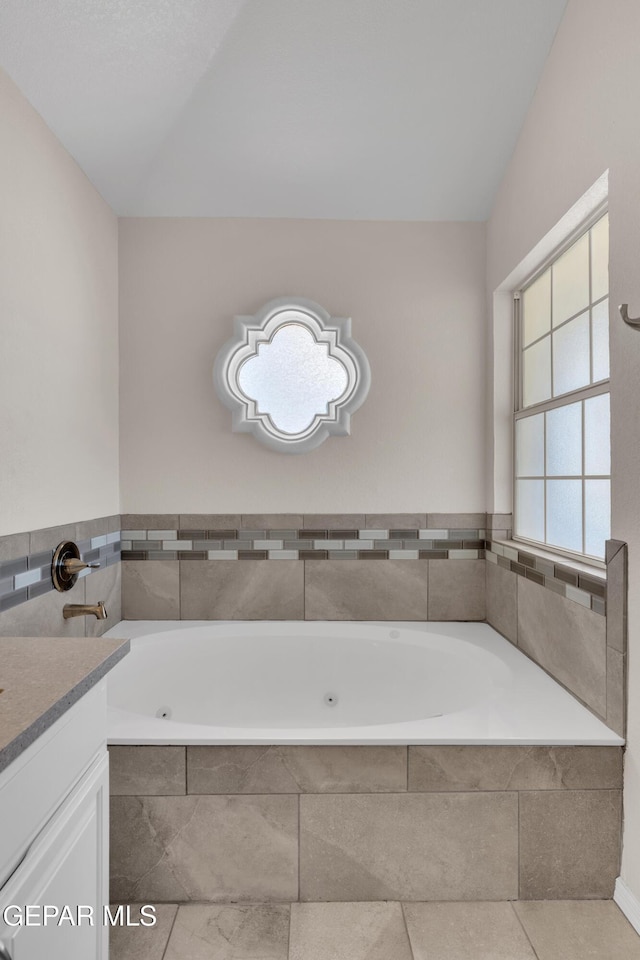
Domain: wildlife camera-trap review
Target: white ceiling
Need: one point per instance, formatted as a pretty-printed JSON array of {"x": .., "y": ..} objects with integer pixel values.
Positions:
[{"x": 346, "y": 109}]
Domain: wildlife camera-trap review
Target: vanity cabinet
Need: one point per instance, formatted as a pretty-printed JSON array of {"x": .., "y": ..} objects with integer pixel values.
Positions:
[{"x": 54, "y": 840}]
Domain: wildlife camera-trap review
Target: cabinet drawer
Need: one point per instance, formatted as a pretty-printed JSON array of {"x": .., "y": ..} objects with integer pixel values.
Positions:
[{"x": 35, "y": 784}]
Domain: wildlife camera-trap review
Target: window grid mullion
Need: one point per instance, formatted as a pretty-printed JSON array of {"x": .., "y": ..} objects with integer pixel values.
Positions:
[
  {"x": 562, "y": 400},
  {"x": 565, "y": 399}
]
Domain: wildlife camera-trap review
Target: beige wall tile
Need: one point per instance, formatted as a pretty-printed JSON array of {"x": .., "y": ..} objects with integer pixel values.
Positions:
[
  {"x": 409, "y": 847},
  {"x": 574, "y": 930},
  {"x": 616, "y": 691},
  {"x": 366, "y": 589},
  {"x": 48, "y": 538},
  {"x": 396, "y": 521},
  {"x": 42, "y": 617},
  {"x": 92, "y": 528},
  {"x": 334, "y": 521},
  {"x": 242, "y": 589},
  {"x": 456, "y": 521},
  {"x": 210, "y": 521},
  {"x": 456, "y": 589},
  {"x": 151, "y": 590},
  {"x": 499, "y": 521},
  {"x": 149, "y": 521},
  {"x": 617, "y": 593},
  {"x": 147, "y": 771},
  {"x": 443, "y": 768},
  {"x": 569, "y": 844},
  {"x": 348, "y": 931},
  {"x": 271, "y": 521},
  {"x": 105, "y": 584},
  {"x": 502, "y": 600},
  {"x": 14, "y": 546},
  {"x": 282, "y": 769},
  {"x": 204, "y": 848},
  {"x": 113, "y": 523},
  {"x": 466, "y": 931},
  {"x": 230, "y": 932},
  {"x": 142, "y": 943},
  {"x": 566, "y": 639}
]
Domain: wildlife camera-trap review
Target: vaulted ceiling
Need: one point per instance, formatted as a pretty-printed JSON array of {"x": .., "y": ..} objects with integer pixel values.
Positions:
[{"x": 347, "y": 109}]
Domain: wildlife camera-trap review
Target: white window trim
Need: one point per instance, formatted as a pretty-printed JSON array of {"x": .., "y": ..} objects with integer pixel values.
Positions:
[{"x": 521, "y": 412}]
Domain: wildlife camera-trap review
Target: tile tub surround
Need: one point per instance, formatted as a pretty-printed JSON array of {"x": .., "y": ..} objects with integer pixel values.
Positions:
[
  {"x": 561, "y": 625},
  {"x": 29, "y": 603},
  {"x": 323, "y": 569},
  {"x": 283, "y": 824},
  {"x": 178, "y": 538},
  {"x": 553, "y": 930}
]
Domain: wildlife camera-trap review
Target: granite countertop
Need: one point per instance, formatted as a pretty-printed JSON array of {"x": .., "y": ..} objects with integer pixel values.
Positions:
[{"x": 41, "y": 678}]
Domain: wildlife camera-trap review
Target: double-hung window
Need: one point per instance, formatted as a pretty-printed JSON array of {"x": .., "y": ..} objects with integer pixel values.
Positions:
[{"x": 562, "y": 490}]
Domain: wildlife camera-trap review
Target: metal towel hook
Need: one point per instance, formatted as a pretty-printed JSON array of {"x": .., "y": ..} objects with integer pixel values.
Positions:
[{"x": 624, "y": 313}]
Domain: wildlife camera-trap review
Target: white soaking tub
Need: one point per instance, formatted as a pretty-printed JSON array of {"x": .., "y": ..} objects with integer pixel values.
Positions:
[{"x": 274, "y": 682}]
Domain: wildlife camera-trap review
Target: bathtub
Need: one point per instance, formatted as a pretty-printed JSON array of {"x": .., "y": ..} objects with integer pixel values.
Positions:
[{"x": 221, "y": 682}]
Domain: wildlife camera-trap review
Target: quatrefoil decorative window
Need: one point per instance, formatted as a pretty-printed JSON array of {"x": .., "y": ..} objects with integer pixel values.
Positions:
[{"x": 292, "y": 375}]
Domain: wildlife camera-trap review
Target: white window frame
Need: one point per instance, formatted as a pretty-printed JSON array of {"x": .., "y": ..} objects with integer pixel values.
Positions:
[{"x": 521, "y": 412}]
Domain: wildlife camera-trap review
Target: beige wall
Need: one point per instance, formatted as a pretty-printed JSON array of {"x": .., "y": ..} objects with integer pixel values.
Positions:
[
  {"x": 415, "y": 292},
  {"x": 582, "y": 121},
  {"x": 59, "y": 345}
]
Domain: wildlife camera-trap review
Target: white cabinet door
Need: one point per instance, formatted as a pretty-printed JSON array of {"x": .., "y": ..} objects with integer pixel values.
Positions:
[{"x": 65, "y": 866}]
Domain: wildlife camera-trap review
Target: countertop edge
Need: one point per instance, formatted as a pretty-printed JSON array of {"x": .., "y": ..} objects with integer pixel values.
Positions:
[{"x": 12, "y": 750}]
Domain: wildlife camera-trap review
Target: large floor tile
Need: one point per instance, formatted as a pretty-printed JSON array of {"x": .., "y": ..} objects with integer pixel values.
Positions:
[
  {"x": 282, "y": 769},
  {"x": 446, "y": 846},
  {"x": 204, "y": 848},
  {"x": 105, "y": 585},
  {"x": 466, "y": 931},
  {"x": 569, "y": 843},
  {"x": 566, "y": 639},
  {"x": 142, "y": 943},
  {"x": 151, "y": 590},
  {"x": 348, "y": 931},
  {"x": 457, "y": 590},
  {"x": 579, "y": 930},
  {"x": 230, "y": 932},
  {"x": 514, "y": 768},
  {"x": 502, "y": 600},
  {"x": 366, "y": 589},
  {"x": 242, "y": 589},
  {"x": 147, "y": 771}
]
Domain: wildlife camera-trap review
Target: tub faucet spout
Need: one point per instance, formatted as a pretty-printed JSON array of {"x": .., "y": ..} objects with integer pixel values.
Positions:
[{"x": 97, "y": 610}]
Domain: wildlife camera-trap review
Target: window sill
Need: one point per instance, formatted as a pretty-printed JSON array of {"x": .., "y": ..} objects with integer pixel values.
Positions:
[{"x": 580, "y": 582}]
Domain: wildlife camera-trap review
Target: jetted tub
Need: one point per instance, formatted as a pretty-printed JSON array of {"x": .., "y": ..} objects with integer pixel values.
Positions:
[{"x": 274, "y": 682}]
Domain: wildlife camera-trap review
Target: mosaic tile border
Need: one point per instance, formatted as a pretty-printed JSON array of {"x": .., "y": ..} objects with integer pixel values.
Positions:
[
  {"x": 28, "y": 577},
  {"x": 589, "y": 591},
  {"x": 304, "y": 543}
]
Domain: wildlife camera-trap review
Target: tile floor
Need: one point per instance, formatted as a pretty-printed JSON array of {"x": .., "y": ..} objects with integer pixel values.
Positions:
[{"x": 525, "y": 930}]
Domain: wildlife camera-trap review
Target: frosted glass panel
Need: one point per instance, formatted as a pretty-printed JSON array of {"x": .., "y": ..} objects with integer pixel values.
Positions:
[
  {"x": 600, "y": 259},
  {"x": 597, "y": 435},
  {"x": 564, "y": 513},
  {"x": 597, "y": 504},
  {"x": 536, "y": 372},
  {"x": 530, "y": 446},
  {"x": 571, "y": 281},
  {"x": 530, "y": 509},
  {"x": 564, "y": 441},
  {"x": 571, "y": 368},
  {"x": 536, "y": 309},
  {"x": 600, "y": 338},
  {"x": 293, "y": 378}
]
